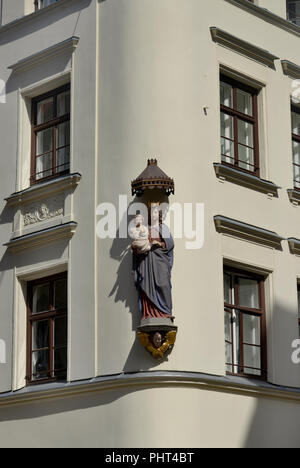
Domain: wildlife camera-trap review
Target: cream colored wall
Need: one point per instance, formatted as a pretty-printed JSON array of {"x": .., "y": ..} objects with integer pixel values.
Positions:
[{"x": 158, "y": 417}]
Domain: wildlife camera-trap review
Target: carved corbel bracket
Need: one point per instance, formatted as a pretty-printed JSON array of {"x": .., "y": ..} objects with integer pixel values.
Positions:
[{"x": 157, "y": 336}]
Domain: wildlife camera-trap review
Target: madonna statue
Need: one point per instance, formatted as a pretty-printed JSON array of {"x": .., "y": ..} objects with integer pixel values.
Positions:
[{"x": 152, "y": 265}]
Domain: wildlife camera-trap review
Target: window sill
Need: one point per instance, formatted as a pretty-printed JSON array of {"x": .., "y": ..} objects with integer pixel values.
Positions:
[
  {"x": 41, "y": 208},
  {"x": 290, "y": 69},
  {"x": 294, "y": 245},
  {"x": 42, "y": 237},
  {"x": 224, "y": 172},
  {"x": 294, "y": 196},
  {"x": 44, "y": 189}
]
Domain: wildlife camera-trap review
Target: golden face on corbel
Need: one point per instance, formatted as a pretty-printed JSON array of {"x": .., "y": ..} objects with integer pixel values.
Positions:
[{"x": 158, "y": 343}]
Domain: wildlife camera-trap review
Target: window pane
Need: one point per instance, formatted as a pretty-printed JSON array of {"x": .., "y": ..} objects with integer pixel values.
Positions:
[
  {"x": 40, "y": 365},
  {"x": 45, "y": 3},
  {"x": 44, "y": 166},
  {"x": 228, "y": 335},
  {"x": 63, "y": 104},
  {"x": 296, "y": 152},
  {"x": 236, "y": 340},
  {"x": 60, "y": 362},
  {"x": 248, "y": 293},
  {"x": 226, "y": 93},
  {"x": 228, "y": 357},
  {"x": 60, "y": 331},
  {"x": 245, "y": 133},
  {"x": 227, "y": 150},
  {"x": 41, "y": 298},
  {"x": 63, "y": 159},
  {"x": 227, "y": 145},
  {"x": 251, "y": 329},
  {"x": 45, "y": 111},
  {"x": 227, "y": 129},
  {"x": 297, "y": 176},
  {"x": 244, "y": 102},
  {"x": 246, "y": 158},
  {"x": 296, "y": 123},
  {"x": 252, "y": 358},
  {"x": 60, "y": 294},
  {"x": 63, "y": 135},
  {"x": 44, "y": 141},
  {"x": 40, "y": 335},
  {"x": 227, "y": 288}
]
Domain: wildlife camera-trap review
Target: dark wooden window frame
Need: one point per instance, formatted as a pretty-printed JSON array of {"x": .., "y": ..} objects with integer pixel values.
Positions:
[
  {"x": 261, "y": 312},
  {"x": 45, "y": 126},
  {"x": 296, "y": 138},
  {"x": 50, "y": 315},
  {"x": 246, "y": 118}
]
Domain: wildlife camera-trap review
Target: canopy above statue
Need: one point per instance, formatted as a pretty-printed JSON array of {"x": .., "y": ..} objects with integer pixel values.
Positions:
[{"x": 152, "y": 178}]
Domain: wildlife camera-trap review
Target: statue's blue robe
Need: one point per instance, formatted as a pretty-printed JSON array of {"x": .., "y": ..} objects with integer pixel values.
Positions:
[{"x": 152, "y": 273}]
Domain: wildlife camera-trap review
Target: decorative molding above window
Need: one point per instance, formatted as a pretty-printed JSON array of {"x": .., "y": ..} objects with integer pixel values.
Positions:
[
  {"x": 294, "y": 196},
  {"x": 294, "y": 245},
  {"x": 248, "y": 232},
  {"x": 244, "y": 179},
  {"x": 69, "y": 45},
  {"x": 40, "y": 238},
  {"x": 42, "y": 206},
  {"x": 290, "y": 69},
  {"x": 44, "y": 190},
  {"x": 40, "y": 212},
  {"x": 243, "y": 47}
]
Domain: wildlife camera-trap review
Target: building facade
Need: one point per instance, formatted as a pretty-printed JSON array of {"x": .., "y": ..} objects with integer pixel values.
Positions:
[{"x": 90, "y": 90}]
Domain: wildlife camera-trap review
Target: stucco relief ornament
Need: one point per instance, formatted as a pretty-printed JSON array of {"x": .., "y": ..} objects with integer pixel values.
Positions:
[
  {"x": 153, "y": 253},
  {"x": 41, "y": 213}
]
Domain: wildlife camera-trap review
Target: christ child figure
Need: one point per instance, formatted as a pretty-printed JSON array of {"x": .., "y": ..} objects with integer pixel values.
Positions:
[{"x": 140, "y": 233}]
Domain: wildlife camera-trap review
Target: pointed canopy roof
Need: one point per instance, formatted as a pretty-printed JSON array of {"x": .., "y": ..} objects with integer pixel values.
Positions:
[{"x": 152, "y": 177}]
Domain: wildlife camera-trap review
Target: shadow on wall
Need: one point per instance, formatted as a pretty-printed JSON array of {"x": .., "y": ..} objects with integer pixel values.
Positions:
[
  {"x": 65, "y": 404},
  {"x": 276, "y": 422},
  {"x": 44, "y": 20},
  {"x": 124, "y": 291}
]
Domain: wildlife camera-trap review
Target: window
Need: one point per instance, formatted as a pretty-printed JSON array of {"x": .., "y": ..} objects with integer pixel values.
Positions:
[
  {"x": 296, "y": 145},
  {"x": 245, "y": 324},
  {"x": 47, "y": 330},
  {"x": 51, "y": 135},
  {"x": 239, "y": 127},
  {"x": 293, "y": 11},
  {"x": 43, "y": 3}
]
